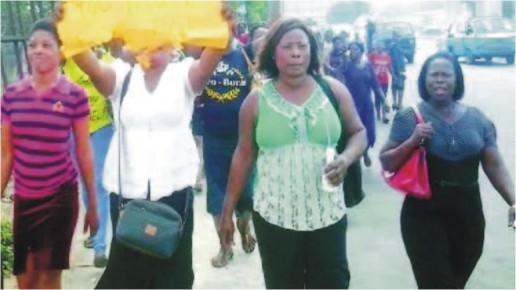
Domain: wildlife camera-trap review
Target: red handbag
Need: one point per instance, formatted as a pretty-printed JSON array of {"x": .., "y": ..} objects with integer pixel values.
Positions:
[{"x": 412, "y": 177}]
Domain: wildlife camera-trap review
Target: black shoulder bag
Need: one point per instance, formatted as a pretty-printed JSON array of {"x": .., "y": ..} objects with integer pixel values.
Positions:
[
  {"x": 353, "y": 193},
  {"x": 149, "y": 227}
]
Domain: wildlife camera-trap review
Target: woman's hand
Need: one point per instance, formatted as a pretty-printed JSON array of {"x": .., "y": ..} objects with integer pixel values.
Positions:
[
  {"x": 58, "y": 13},
  {"x": 201, "y": 70},
  {"x": 227, "y": 14},
  {"x": 512, "y": 216},
  {"x": 421, "y": 132},
  {"x": 91, "y": 220},
  {"x": 336, "y": 170},
  {"x": 229, "y": 17},
  {"x": 227, "y": 229}
]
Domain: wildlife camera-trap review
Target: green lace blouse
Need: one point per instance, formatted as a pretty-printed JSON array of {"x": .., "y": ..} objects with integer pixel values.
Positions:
[{"x": 292, "y": 142}]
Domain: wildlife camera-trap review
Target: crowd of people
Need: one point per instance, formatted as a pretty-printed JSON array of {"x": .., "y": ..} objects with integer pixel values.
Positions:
[
  {"x": 368, "y": 71},
  {"x": 262, "y": 125}
]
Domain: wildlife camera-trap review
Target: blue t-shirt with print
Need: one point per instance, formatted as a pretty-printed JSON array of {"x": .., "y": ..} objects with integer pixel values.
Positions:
[{"x": 224, "y": 95}]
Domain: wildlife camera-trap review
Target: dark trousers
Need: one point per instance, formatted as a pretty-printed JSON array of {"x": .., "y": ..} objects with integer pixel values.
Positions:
[
  {"x": 128, "y": 269},
  {"x": 379, "y": 102},
  {"x": 443, "y": 237},
  {"x": 296, "y": 260}
]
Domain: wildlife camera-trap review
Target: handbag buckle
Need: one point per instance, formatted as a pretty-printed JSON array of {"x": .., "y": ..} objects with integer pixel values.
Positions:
[{"x": 150, "y": 230}]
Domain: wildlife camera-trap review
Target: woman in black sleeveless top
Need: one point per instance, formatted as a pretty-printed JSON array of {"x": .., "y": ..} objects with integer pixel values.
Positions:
[{"x": 444, "y": 236}]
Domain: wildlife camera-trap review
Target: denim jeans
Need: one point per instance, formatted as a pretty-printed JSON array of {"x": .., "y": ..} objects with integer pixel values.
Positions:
[
  {"x": 218, "y": 153},
  {"x": 100, "y": 141}
]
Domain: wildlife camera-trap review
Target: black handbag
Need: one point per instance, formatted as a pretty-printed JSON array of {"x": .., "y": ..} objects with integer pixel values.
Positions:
[
  {"x": 149, "y": 227},
  {"x": 353, "y": 193}
]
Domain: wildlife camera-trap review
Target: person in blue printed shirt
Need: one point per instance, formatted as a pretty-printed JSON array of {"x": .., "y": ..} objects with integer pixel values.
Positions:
[
  {"x": 222, "y": 98},
  {"x": 197, "y": 124}
]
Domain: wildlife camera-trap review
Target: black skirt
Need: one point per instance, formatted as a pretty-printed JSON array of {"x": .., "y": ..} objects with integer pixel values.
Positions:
[
  {"x": 44, "y": 227},
  {"x": 127, "y": 269}
]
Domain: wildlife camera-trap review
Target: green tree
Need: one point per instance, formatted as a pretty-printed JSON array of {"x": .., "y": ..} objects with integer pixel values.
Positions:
[
  {"x": 16, "y": 19},
  {"x": 347, "y": 11},
  {"x": 256, "y": 11},
  {"x": 18, "y": 16},
  {"x": 7, "y": 248}
]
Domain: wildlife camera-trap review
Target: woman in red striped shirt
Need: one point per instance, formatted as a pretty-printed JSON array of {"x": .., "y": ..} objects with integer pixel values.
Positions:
[{"x": 39, "y": 113}]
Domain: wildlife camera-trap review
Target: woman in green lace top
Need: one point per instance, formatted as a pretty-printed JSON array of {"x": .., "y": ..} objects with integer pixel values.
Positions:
[{"x": 286, "y": 127}]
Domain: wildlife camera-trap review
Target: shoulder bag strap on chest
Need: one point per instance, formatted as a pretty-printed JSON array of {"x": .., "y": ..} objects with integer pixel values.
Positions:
[{"x": 125, "y": 86}]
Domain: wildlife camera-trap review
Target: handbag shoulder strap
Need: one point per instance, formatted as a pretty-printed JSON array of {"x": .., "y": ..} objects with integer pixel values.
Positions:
[
  {"x": 187, "y": 201},
  {"x": 419, "y": 120},
  {"x": 125, "y": 86},
  {"x": 325, "y": 86},
  {"x": 417, "y": 114},
  {"x": 250, "y": 64},
  {"x": 323, "y": 83}
]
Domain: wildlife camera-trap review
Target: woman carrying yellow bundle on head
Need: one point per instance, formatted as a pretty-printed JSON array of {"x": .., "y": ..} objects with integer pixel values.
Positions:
[{"x": 156, "y": 112}]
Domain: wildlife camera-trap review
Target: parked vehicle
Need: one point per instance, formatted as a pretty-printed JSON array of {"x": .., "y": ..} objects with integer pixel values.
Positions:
[
  {"x": 482, "y": 37},
  {"x": 407, "y": 38}
]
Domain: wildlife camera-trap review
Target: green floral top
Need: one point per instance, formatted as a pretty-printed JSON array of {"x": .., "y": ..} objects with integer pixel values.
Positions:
[{"x": 292, "y": 142}]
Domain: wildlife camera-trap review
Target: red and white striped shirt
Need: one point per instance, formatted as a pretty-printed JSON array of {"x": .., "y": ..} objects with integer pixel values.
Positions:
[{"x": 41, "y": 124}]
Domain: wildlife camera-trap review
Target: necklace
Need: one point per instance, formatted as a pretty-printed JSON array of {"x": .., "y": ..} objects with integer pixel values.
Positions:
[
  {"x": 446, "y": 113},
  {"x": 449, "y": 115}
]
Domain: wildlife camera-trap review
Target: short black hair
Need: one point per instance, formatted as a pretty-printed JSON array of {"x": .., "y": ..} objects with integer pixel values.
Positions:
[
  {"x": 459, "y": 76},
  {"x": 335, "y": 38},
  {"x": 254, "y": 28},
  {"x": 267, "y": 63},
  {"x": 358, "y": 44},
  {"x": 45, "y": 24}
]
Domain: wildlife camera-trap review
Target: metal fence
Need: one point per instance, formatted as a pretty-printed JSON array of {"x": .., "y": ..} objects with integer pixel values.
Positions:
[
  {"x": 14, "y": 59},
  {"x": 17, "y": 16}
]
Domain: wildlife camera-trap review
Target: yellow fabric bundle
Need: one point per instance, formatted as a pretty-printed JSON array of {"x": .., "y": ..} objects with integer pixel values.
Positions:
[
  {"x": 143, "y": 25},
  {"x": 205, "y": 26},
  {"x": 79, "y": 30}
]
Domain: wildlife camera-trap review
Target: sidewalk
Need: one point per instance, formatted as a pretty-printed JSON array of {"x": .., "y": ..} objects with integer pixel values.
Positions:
[{"x": 243, "y": 272}]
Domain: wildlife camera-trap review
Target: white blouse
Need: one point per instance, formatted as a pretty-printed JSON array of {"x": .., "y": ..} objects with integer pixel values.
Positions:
[{"x": 158, "y": 145}]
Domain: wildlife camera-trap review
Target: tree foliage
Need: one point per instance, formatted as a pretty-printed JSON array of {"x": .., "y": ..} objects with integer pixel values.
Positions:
[
  {"x": 18, "y": 16},
  {"x": 257, "y": 12},
  {"x": 347, "y": 11},
  {"x": 7, "y": 248}
]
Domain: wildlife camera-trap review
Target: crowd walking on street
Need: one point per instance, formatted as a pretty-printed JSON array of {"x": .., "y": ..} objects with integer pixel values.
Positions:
[{"x": 252, "y": 126}]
